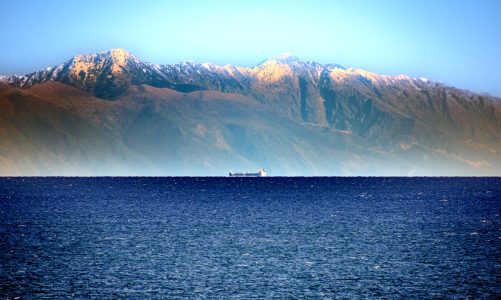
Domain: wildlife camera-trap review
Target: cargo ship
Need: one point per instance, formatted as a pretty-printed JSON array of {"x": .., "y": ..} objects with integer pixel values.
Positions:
[{"x": 260, "y": 173}]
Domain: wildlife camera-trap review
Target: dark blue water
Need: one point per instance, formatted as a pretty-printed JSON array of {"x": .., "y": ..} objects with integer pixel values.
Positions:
[{"x": 247, "y": 238}]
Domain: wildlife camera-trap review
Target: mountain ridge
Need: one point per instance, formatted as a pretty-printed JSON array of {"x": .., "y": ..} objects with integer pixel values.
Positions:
[
  {"x": 290, "y": 116},
  {"x": 287, "y": 58},
  {"x": 125, "y": 57}
]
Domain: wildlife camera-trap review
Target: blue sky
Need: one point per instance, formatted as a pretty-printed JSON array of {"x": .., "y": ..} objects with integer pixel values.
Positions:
[{"x": 456, "y": 42}]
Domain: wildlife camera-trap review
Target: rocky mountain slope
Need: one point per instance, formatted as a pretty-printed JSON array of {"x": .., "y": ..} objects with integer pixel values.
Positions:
[{"x": 112, "y": 114}]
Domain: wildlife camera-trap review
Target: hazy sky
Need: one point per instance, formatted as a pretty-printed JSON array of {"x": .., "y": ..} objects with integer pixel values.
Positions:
[{"x": 457, "y": 42}]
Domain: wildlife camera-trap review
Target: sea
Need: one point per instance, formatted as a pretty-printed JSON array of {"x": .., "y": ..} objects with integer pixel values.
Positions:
[{"x": 250, "y": 238}]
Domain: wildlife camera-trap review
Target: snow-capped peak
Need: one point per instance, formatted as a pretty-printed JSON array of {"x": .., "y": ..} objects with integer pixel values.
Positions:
[
  {"x": 119, "y": 51},
  {"x": 286, "y": 57}
]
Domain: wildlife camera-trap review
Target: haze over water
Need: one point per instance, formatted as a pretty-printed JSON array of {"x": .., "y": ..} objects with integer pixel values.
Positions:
[{"x": 250, "y": 238}]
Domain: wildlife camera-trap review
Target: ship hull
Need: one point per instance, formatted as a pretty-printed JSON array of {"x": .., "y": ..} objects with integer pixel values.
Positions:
[
  {"x": 260, "y": 173},
  {"x": 244, "y": 175}
]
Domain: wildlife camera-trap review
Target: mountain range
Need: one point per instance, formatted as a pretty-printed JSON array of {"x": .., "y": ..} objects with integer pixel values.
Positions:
[{"x": 113, "y": 114}]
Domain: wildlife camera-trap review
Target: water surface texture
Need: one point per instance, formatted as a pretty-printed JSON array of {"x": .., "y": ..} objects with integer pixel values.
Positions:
[{"x": 220, "y": 238}]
